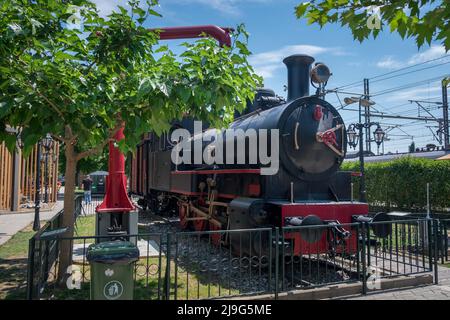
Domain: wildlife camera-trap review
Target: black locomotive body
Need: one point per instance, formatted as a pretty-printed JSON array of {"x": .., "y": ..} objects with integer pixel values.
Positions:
[{"x": 307, "y": 188}]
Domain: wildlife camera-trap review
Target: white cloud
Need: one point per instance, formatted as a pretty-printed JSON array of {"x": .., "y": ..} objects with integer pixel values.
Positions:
[
  {"x": 415, "y": 93},
  {"x": 266, "y": 71},
  {"x": 227, "y": 7},
  {"x": 432, "y": 53},
  {"x": 105, "y": 7},
  {"x": 389, "y": 62},
  {"x": 267, "y": 63}
]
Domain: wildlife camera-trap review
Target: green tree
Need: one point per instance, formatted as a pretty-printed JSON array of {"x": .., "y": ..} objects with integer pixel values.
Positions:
[
  {"x": 423, "y": 20},
  {"x": 81, "y": 84},
  {"x": 86, "y": 165}
]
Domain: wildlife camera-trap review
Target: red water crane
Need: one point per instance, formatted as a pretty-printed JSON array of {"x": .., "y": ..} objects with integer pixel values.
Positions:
[
  {"x": 220, "y": 34},
  {"x": 116, "y": 197}
]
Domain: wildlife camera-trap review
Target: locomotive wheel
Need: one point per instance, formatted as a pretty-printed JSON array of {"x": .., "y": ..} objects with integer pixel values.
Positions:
[{"x": 182, "y": 212}]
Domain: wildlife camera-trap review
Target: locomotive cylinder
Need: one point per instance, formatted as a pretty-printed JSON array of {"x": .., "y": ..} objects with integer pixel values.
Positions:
[{"x": 299, "y": 68}]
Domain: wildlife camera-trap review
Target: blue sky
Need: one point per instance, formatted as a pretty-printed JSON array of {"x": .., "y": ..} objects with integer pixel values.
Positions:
[{"x": 276, "y": 33}]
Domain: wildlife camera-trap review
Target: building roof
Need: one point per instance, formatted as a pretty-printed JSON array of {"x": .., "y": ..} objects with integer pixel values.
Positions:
[
  {"x": 388, "y": 157},
  {"x": 446, "y": 157}
]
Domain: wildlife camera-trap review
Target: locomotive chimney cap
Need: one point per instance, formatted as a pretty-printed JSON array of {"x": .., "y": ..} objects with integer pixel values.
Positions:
[{"x": 304, "y": 58}]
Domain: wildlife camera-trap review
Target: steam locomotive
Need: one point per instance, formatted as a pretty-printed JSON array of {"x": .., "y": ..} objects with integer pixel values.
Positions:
[{"x": 308, "y": 188}]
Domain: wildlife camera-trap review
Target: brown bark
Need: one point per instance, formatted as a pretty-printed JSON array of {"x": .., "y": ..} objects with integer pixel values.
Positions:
[{"x": 68, "y": 220}]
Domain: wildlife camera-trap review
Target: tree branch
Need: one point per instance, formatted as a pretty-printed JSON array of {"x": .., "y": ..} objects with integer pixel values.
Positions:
[
  {"x": 93, "y": 151},
  {"x": 100, "y": 147},
  {"x": 53, "y": 105},
  {"x": 58, "y": 138},
  {"x": 70, "y": 137}
]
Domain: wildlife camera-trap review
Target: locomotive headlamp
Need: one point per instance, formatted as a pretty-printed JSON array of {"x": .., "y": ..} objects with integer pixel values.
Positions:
[
  {"x": 379, "y": 135},
  {"x": 320, "y": 73},
  {"x": 352, "y": 136}
]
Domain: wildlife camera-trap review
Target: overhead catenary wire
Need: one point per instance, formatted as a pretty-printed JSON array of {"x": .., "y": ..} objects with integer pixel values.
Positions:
[
  {"x": 409, "y": 72},
  {"x": 352, "y": 84},
  {"x": 410, "y": 85},
  {"x": 416, "y": 130}
]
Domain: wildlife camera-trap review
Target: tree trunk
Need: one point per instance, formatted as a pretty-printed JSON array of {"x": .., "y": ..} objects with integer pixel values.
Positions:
[{"x": 68, "y": 220}]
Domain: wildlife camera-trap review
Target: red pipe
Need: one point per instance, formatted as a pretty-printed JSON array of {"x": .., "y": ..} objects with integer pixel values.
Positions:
[
  {"x": 220, "y": 34},
  {"x": 116, "y": 198}
]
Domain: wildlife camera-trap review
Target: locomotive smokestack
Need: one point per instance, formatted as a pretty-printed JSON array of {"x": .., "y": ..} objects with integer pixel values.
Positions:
[{"x": 299, "y": 67}]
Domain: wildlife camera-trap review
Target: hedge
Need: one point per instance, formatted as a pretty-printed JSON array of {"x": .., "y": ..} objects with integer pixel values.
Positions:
[{"x": 401, "y": 184}]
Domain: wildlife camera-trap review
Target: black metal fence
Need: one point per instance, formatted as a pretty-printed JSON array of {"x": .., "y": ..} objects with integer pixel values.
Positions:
[
  {"x": 84, "y": 207},
  {"x": 307, "y": 262},
  {"x": 44, "y": 247},
  {"x": 443, "y": 226},
  {"x": 217, "y": 264}
]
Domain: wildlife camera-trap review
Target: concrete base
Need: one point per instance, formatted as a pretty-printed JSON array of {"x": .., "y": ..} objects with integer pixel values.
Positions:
[
  {"x": 104, "y": 220},
  {"x": 345, "y": 289}
]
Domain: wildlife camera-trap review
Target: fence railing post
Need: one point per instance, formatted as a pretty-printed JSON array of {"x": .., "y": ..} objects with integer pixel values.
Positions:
[
  {"x": 364, "y": 257},
  {"x": 30, "y": 269},
  {"x": 445, "y": 240},
  {"x": 367, "y": 234},
  {"x": 358, "y": 250},
  {"x": 430, "y": 240},
  {"x": 167, "y": 284},
  {"x": 277, "y": 258},
  {"x": 441, "y": 241},
  {"x": 436, "y": 239}
]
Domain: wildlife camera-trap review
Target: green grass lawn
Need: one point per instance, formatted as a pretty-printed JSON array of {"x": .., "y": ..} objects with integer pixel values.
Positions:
[
  {"x": 17, "y": 246},
  {"x": 14, "y": 254},
  {"x": 13, "y": 265},
  {"x": 188, "y": 284},
  {"x": 85, "y": 227}
]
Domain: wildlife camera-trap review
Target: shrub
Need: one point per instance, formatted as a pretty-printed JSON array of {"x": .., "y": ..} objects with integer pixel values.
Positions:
[{"x": 401, "y": 184}]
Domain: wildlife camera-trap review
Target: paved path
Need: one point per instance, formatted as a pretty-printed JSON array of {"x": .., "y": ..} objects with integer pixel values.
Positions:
[
  {"x": 10, "y": 224},
  {"x": 440, "y": 291}
]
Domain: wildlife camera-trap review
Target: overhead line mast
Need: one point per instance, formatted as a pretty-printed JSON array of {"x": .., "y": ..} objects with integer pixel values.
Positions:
[{"x": 445, "y": 83}]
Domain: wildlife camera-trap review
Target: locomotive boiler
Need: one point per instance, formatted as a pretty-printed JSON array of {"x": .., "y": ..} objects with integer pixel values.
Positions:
[{"x": 307, "y": 188}]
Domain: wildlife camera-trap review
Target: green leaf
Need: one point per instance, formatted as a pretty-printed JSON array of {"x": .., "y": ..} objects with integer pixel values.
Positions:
[
  {"x": 154, "y": 13},
  {"x": 61, "y": 56},
  {"x": 426, "y": 21},
  {"x": 300, "y": 10}
]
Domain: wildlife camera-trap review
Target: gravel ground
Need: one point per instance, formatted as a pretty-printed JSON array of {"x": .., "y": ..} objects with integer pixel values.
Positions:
[{"x": 219, "y": 266}]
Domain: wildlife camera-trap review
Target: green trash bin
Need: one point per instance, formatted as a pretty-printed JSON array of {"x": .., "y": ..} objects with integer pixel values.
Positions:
[{"x": 112, "y": 269}]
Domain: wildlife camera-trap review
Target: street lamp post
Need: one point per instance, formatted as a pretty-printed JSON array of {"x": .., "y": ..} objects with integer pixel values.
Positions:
[
  {"x": 354, "y": 139},
  {"x": 47, "y": 143},
  {"x": 37, "y": 197}
]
